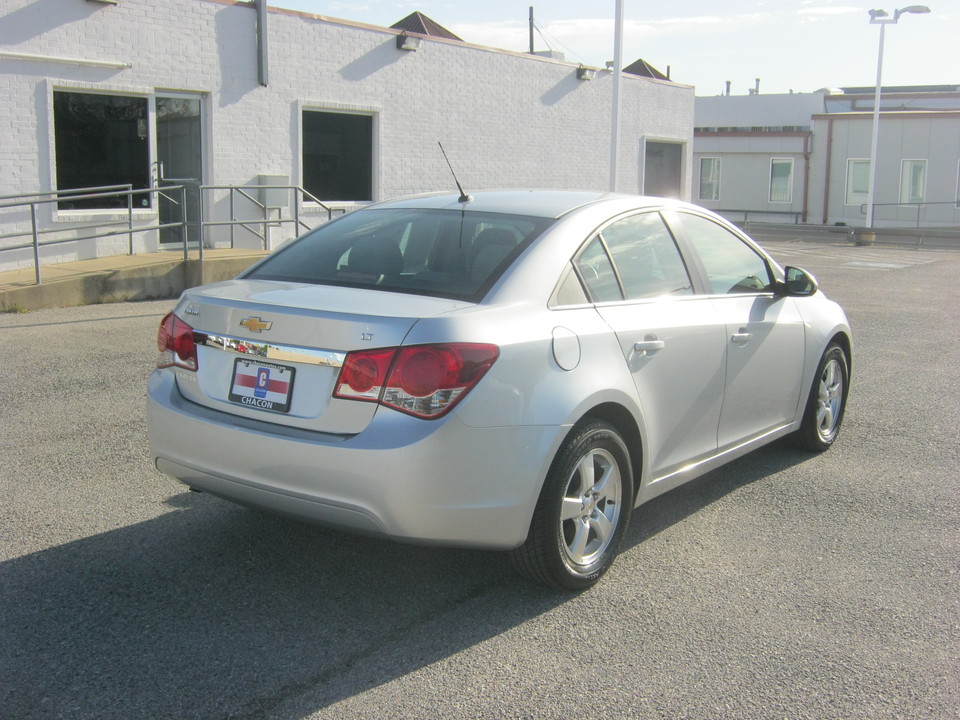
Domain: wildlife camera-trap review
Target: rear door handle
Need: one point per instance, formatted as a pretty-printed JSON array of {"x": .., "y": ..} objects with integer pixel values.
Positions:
[
  {"x": 648, "y": 347},
  {"x": 742, "y": 337}
]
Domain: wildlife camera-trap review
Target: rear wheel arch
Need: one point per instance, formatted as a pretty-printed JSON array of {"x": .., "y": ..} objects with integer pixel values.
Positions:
[
  {"x": 583, "y": 510},
  {"x": 623, "y": 420}
]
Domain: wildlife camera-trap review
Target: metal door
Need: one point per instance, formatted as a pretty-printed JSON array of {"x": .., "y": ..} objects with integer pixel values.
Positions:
[
  {"x": 663, "y": 169},
  {"x": 179, "y": 162}
]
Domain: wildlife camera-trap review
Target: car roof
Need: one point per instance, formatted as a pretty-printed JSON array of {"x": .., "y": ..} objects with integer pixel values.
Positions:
[{"x": 538, "y": 203}]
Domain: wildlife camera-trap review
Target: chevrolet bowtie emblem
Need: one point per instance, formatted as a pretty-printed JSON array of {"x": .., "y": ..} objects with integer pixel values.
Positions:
[{"x": 255, "y": 324}]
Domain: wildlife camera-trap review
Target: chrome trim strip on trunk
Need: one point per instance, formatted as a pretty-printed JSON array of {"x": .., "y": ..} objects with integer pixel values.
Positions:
[{"x": 272, "y": 351}]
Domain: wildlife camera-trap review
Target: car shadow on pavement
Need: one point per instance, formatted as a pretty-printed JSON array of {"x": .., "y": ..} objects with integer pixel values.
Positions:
[
  {"x": 214, "y": 611},
  {"x": 664, "y": 511}
]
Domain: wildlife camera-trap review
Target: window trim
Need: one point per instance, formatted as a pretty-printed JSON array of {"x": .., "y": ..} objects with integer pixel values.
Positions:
[
  {"x": 781, "y": 160},
  {"x": 717, "y": 183},
  {"x": 373, "y": 111},
  {"x": 685, "y": 148},
  {"x": 849, "y": 194},
  {"x": 922, "y": 162},
  {"x": 100, "y": 214}
]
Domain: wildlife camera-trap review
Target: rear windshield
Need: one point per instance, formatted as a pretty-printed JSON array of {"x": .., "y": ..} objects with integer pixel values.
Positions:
[{"x": 445, "y": 253}]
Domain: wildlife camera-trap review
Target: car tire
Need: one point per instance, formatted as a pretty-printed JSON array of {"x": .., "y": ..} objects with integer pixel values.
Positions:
[
  {"x": 826, "y": 402},
  {"x": 583, "y": 510}
]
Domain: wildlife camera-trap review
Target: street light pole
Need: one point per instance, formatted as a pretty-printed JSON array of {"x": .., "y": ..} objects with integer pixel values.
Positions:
[
  {"x": 881, "y": 18},
  {"x": 615, "y": 111}
]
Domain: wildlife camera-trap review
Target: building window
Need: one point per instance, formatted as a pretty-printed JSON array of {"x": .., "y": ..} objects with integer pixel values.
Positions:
[
  {"x": 338, "y": 155},
  {"x": 858, "y": 181},
  {"x": 100, "y": 140},
  {"x": 709, "y": 178},
  {"x": 781, "y": 180},
  {"x": 913, "y": 181}
]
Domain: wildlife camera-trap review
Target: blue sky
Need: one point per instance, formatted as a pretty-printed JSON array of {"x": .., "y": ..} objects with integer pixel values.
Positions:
[{"x": 799, "y": 45}]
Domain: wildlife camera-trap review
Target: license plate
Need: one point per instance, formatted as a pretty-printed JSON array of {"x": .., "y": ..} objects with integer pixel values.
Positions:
[{"x": 261, "y": 385}]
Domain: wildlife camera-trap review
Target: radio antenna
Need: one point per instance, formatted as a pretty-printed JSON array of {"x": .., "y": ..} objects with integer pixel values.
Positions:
[{"x": 464, "y": 198}]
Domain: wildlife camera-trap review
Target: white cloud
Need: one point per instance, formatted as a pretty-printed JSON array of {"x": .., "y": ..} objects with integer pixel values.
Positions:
[{"x": 829, "y": 10}]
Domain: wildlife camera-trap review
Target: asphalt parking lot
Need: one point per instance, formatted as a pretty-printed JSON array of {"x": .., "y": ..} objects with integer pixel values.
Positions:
[{"x": 785, "y": 585}]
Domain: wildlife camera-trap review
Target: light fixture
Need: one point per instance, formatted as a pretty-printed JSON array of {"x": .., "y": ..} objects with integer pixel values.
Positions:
[
  {"x": 585, "y": 73},
  {"x": 915, "y": 9},
  {"x": 408, "y": 42}
]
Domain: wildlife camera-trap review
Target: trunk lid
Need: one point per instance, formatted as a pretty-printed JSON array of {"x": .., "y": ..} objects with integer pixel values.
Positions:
[{"x": 272, "y": 351}]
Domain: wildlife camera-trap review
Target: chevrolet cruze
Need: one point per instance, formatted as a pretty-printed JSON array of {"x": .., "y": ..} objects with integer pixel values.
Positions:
[{"x": 516, "y": 370}]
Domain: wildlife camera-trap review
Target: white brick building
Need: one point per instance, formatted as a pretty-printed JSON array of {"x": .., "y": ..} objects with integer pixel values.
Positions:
[{"x": 97, "y": 93}]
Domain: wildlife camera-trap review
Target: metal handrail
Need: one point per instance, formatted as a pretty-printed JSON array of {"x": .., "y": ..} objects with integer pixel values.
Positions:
[
  {"x": 57, "y": 196},
  {"x": 36, "y": 233},
  {"x": 919, "y": 205},
  {"x": 747, "y": 213},
  {"x": 264, "y": 221},
  {"x": 71, "y": 193}
]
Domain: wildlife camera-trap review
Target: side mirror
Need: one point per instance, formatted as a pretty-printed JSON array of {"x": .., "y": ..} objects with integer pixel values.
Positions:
[{"x": 798, "y": 283}]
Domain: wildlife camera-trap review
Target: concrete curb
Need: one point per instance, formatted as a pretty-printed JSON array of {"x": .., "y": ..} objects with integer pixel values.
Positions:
[{"x": 918, "y": 238}]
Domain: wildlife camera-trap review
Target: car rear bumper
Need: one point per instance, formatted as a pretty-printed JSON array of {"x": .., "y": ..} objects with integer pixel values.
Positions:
[{"x": 427, "y": 481}]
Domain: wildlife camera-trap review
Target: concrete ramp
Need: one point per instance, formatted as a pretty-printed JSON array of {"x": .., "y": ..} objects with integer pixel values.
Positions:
[{"x": 119, "y": 279}]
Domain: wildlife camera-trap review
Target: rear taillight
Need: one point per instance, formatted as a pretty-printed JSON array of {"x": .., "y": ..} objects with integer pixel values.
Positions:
[
  {"x": 175, "y": 343},
  {"x": 363, "y": 374},
  {"x": 421, "y": 380}
]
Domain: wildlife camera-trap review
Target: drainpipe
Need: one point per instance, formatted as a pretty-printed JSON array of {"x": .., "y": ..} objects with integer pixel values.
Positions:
[
  {"x": 806, "y": 175},
  {"x": 826, "y": 171},
  {"x": 263, "y": 68}
]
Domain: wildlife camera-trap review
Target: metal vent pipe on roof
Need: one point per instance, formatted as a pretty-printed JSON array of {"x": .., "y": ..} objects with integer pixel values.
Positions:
[{"x": 531, "y": 29}]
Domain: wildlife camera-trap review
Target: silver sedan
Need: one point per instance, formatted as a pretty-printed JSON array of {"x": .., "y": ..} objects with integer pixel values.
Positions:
[{"x": 515, "y": 370}]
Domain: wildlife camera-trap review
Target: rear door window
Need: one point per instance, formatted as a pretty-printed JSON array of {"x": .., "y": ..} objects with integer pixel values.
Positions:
[
  {"x": 646, "y": 257},
  {"x": 633, "y": 258},
  {"x": 596, "y": 271}
]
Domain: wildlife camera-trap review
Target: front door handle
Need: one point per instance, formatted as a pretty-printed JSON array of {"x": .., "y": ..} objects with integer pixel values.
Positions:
[
  {"x": 648, "y": 346},
  {"x": 742, "y": 337}
]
